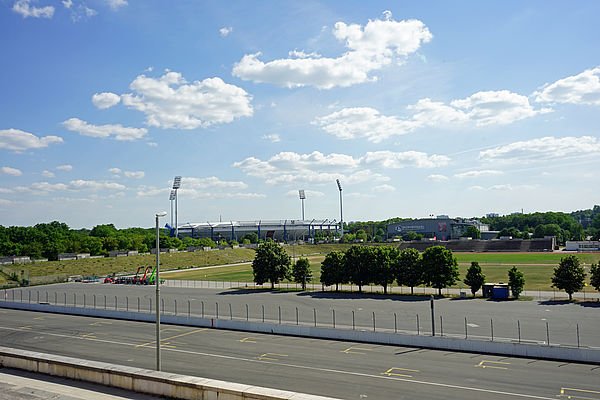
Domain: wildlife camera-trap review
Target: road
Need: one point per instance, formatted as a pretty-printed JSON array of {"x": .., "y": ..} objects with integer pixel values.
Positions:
[
  {"x": 331, "y": 368},
  {"x": 564, "y": 319}
]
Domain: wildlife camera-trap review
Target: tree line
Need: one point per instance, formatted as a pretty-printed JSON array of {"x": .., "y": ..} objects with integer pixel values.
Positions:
[{"x": 383, "y": 265}]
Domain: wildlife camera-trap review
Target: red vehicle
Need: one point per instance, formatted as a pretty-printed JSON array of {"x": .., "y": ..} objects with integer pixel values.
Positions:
[{"x": 110, "y": 279}]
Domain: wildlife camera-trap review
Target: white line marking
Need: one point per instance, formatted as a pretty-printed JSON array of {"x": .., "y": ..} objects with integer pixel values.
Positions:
[{"x": 299, "y": 366}]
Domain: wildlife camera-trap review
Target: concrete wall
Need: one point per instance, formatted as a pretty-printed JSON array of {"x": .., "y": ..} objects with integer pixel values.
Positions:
[
  {"x": 141, "y": 380},
  {"x": 434, "y": 342}
]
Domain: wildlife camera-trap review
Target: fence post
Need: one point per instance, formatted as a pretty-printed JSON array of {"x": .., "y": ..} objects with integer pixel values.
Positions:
[
  {"x": 217, "y": 309},
  {"x": 279, "y": 307},
  {"x": 189, "y": 308},
  {"x": 441, "y": 327},
  {"x": 116, "y": 303},
  {"x": 466, "y": 332},
  {"x": 127, "y": 303},
  {"x": 105, "y": 302},
  {"x": 492, "y": 328},
  {"x": 418, "y": 328},
  {"x": 55, "y": 298},
  {"x": 333, "y": 316},
  {"x": 74, "y": 299},
  {"x": 230, "y": 312},
  {"x": 162, "y": 306},
  {"x": 175, "y": 306},
  {"x": 296, "y": 315},
  {"x": 138, "y": 303},
  {"x": 373, "y": 321},
  {"x": 150, "y": 302},
  {"x": 395, "y": 324},
  {"x": 84, "y": 300},
  {"x": 432, "y": 317},
  {"x": 263, "y": 313},
  {"x": 65, "y": 298},
  {"x": 247, "y": 314},
  {"x": 315, "y": 315},
  {"x": 547, "y": 334},
  {"x": 38, "y": 296},
  {"x": 352, "y": 319},
  {"x": 202, "y": 309},
  {"x": 578, "y": 335},
  {"x": 519, "y": 329},
  {"x": 29, "y": 297}
]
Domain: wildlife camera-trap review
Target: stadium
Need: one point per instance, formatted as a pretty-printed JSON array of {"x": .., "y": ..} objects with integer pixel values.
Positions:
[{"x": 278, "y": 230}]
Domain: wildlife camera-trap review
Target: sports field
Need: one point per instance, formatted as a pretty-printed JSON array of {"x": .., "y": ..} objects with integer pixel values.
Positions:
[{"x": 537, "y": 267}]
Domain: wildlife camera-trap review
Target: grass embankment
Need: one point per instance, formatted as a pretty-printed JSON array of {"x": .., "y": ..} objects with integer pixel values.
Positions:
[{"x": 109, "y": 265}]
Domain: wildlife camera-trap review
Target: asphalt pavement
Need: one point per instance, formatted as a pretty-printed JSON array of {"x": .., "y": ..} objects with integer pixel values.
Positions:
[
  {"x": 332, "y": 368},
  {"x": 556, "y": 322}
]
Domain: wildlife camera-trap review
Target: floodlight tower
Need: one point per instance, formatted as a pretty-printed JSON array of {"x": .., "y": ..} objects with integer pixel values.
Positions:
[
  {"x": 171, "y": 198},
  {"x": 302, "y": 198},
  {"x": 341, "y": 213},
  {"x": 176, "y": 186}
]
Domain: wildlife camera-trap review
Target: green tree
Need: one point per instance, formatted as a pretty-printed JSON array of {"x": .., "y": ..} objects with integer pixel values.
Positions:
[
  {"x": 475, "y": 277},
  {"x": 301, "y": 272},
  {"x": 361, "y": 235},
  {"x": 472, "y": 232},
  {"x": 409, "y": 236},
  {"x": 595, "y": 276},
  {"x": 252, "y": 237},
  {"x": 107, "y": 230},
  {"x": 440, "y": 268},
  {"x": 516, "y": 281},
  {"x": 271, "y": 264},
  {"x": 384, "y": 259},
  {"x": 332, "y": 269},
  {"x": 408, "y": 269},
  {"x": 569, "y": 275},
  {"x": 358, "y": 261}
]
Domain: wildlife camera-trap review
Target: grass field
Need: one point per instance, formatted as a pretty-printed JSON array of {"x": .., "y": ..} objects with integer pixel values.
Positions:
[{"x": 537, "y": 267}]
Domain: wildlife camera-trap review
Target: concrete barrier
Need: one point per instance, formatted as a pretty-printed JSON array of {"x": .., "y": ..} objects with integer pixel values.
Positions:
[
  {"x": 141, "y": 380},
  {"x": 579, "y": 354}
]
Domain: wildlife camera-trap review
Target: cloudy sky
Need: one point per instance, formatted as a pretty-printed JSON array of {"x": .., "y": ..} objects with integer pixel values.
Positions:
[{"x": 419, "y": 108}]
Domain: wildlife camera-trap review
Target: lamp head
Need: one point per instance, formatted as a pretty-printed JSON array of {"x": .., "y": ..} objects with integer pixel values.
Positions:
[{"x": 161, "y": 214}]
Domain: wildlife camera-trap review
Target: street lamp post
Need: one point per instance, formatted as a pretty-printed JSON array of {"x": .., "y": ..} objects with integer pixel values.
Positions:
[
  {"x": 157, "y": 279},
  {"x": 341, "y": 213}
]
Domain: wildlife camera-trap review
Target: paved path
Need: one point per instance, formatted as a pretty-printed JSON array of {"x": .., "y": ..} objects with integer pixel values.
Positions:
[{"x": 332, "y": 368}]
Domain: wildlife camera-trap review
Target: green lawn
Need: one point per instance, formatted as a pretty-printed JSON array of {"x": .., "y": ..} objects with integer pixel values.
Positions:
[
  {"x": 537, "y": 267},
  {"x": 494, "y": 266}
]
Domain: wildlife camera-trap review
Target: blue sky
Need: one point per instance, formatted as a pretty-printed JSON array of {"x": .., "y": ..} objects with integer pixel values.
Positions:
[{"x": 419, "y": 108}]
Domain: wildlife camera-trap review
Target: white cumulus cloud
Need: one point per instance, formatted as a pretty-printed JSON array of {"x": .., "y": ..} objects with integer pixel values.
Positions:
[
  {"x": 437, "y": 178},
  {"x": 48, "y": 174},
  {"x": 478, "y": 173},
  {"x": 583, "y": 88},
  {"x": 274, "y": 138},
  {"x": 116, "y": 4},
  {"x": 11, "y": 171},
  {"x": 226, "y": 30},
  {"x": 416, "y": 159},
  {"x": 369, "y": 49},
  {"x": 543, "y": 149},
  {"x": 172, "y": 102},
  {"x": 65, "y": 167},
  {"x": 384, "y": 188},
  {"x": 362, "y": 122},
  {"x": 105, "y": 100},
  {"x": 25, "y": 8},
  {"x": 17, "y": 140},
  {"x": 116, "y": 131},
  {"x": 134, "y": 174}
]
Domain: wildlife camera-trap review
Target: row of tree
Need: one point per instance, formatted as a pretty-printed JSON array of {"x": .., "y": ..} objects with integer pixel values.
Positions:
[{"x": 435, "y": 267}]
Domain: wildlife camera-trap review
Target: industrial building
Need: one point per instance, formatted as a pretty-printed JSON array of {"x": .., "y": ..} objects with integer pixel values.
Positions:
[
  {"x": 278, "y": 230},
  {"x": 440, "y": 228}
]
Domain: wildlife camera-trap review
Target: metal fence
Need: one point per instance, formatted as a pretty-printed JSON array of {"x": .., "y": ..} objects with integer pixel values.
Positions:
[{"x": 424, "y": 323}]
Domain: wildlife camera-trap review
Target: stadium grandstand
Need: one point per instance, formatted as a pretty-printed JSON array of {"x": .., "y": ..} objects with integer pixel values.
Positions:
[{"x": 278, "y": 230}]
